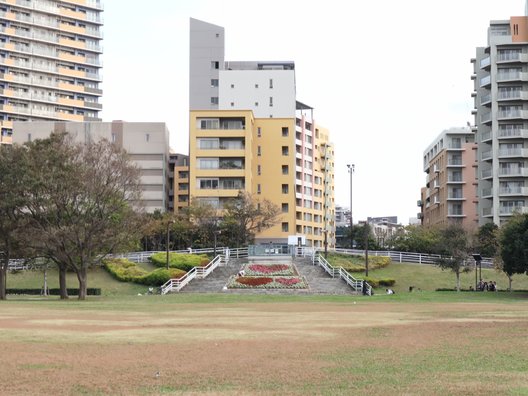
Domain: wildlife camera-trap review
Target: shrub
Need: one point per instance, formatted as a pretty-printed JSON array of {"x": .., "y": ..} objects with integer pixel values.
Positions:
[
  {"x": 159, "y": 276},
  {"x": 127, "y": 271},
  {"x": 380, "y": 282},
  {"x": 183, "y": 261}
]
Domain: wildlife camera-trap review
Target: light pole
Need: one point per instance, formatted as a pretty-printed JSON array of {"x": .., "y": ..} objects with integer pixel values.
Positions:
[
  {"x": 168, "y": 239},
  {"x": 216, "y": 233},
  {"x": 351, "y": 171},
  {"x": 478, "y": 262},
  {"x": 367, "y": 232}
]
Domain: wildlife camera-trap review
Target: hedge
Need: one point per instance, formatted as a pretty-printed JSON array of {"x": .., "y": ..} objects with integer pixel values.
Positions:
[
  {"x": 183, "y": 261},
  {"x": 374, "y": 282},
  {"x": 127, "y": 271},
  {"x": 91, "y": 291}
]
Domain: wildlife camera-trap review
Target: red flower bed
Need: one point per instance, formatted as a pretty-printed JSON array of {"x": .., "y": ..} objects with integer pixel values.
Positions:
[
  {"x": 268, "y": 269},
  {"x": 287, "y": 281},
  {"x": 253, "y": 281}
]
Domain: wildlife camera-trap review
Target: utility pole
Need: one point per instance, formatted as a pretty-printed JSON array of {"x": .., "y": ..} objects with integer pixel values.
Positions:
[{"x": 351, "y": 171}]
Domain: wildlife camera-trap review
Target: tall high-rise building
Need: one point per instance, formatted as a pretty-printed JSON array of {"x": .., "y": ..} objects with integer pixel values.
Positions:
[
  {"x": 248, "y": 132},
  {"x": 501, "y": 119},
  {"x": 450, "y": 192},
  {"x": 49, "y": 61}
]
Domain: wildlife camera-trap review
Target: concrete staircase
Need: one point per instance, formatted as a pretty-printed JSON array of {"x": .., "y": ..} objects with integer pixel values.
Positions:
[{"x": 318, "y": 280}]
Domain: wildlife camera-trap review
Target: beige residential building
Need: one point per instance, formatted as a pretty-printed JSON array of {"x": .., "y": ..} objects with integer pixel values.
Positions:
[
  {"x": 248, "y": 132},
  {"x": 49, "y": 61},
  {"x": 450, "y": 192},
  {"x": 147, "y": 144}
]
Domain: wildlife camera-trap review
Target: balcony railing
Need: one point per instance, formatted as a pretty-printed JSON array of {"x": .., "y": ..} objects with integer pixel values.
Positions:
[
  {"x": 485, "y": 62},
  {"x": 486, "y": 136},
  {"x": 485, "y": 117},
  {"x": 508, "y": 210},
  {"x": 486, "y": 155},
  {"x": 487, "y": 173},
  {"x": 511, "y": 56},
  {"x": 513, "y": 172},
  {"x": 487, "y": 211},
  {"x": 513, "y": 152},
  {"x": 485, "y": 98},
  {"x": 485, "y": 81},
  {"x": 512, "y": 95},
  {"x": 513, "y": 133},
  {"x": 502, "y": 114},
  {"x": 512, "y": 76},
  {"x": 513, "y": 191}
]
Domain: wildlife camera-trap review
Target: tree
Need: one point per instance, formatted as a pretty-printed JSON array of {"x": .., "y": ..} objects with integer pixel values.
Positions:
[
  {"x": 12, "y": 169},
  {"x": 80, "y": 203},
  {"x": 245, "y": 216},
  {"x": 452, "y": 245},
  {"x": 416, "y": 238},
  {"x": 514, "y": 245},
  {"x": 487, "y": 243}
]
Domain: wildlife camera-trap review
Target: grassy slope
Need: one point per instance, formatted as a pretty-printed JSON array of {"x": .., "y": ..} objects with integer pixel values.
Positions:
[{"x": 424, "y": 277}]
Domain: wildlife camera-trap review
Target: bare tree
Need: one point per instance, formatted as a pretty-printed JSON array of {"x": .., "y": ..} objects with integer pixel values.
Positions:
[{"x": 80, "y": 204}]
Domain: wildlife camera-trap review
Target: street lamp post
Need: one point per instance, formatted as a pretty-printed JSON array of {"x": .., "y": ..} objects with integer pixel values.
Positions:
[
  {"x": 478, "y": 263},
  {"x": 216, "y": 233},
  {"x": 367, "y": 232},
  {"x": 351, "y": 171},
  {"x": 168, "y": 239}
]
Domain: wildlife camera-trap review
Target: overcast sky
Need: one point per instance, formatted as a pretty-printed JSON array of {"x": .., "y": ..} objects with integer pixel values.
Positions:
[{"x": 386, "y": 77}]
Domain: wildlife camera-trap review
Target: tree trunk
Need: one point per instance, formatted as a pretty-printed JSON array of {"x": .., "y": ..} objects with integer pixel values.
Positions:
[
  {"x": 62, "y": 283},
  {"x": 458, "y": 281},
  {"x": 83, "y": 283},
  {"x": 3, "y": 279},
  {"x": 510, "y": 283}
]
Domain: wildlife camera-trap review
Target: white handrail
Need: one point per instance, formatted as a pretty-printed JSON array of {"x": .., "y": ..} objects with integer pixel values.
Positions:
[{"x": 356, "y": 284}]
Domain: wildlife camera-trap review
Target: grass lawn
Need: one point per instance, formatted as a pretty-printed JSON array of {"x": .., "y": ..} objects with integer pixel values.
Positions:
[{"x": 442, "y": 343}]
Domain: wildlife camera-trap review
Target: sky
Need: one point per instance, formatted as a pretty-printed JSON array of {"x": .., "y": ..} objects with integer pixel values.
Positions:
[{"x": 386, "y": 77}]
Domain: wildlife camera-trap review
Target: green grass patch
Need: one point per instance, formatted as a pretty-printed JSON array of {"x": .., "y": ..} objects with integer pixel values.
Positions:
[
  {"x": 356, "y": 263},
  {"x": 182, "y": 261}
]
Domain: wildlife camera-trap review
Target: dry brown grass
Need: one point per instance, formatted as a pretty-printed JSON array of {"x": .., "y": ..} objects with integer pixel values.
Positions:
[{"x": 277, "y": 348}]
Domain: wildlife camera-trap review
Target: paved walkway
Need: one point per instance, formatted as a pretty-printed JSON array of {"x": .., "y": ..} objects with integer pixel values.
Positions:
[{"x": 318, "y": 280}]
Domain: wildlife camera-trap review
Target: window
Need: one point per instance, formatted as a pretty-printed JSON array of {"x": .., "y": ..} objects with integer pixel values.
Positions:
[
  {"x": 258, "y": 189},
  {"x": 259, "y": 170},
  {"x": 256, "y": 85},
  {"x": 285, "y": 208},
  {"x": 256, "y": 104},
  {"x": 259, "y": 132},
  {"x": 208, "y": 184},
  {"x": 214, "y": 100},
  {"x": 208, "y": 163},
  {"x": 147, "y": 137},
  {"x": 285, "y": 227},
  {"x": 259, "y": 151},
  {"x": 285, "y": 169},
  {"x": 214, "y": 82},
  {"x": 285, "y": 189},
  {"x": 271, "y": 83},
  {"x": 285, "y": 131},
  {"x": 232, "y": 85},
  {"x": 232, "y": 104},
  {"x": 114, "y": 137},
  {"x": 215, "y": 65},
  {"x": 285, "y": 150},
  {"x": 271, "y": 101}
]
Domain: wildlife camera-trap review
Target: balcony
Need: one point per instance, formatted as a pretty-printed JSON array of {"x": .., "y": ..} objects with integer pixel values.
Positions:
[
  {"x": 512, "y": 133},
  {"x": 512, "y": 57},
  {"x": 455, "y": 213},
  {"x": 513, "y": 191},
  {"x": 486, "y": 136},
  {"x": 485, "y": 81},
  {"x": 487, "y": 174},
  {"x": 455, "y": 180},
  {"x": 487, "y": 192},
  {"x": 512, "y": 114},
  {"x": 512, "y": 95},
  {"x": 510, "y": 210},
  {"x": 512, "y": 76},
  {"x": 455, "y": 162},
  {"x": 485, "y": 117},
  {"x": 455, "y": 197},
  {"x": 485, "y": 99},
  {"x": 487, "y": 212},
  {"x": 514, "y": 172},
  {"x": 513, "y": 152},
  {"x": 484, "y": 63},
  {"x": 486, "y": 155}
]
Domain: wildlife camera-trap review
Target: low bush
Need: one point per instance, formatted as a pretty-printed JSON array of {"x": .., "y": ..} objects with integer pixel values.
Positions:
[
  {"x": 183, "y": 261},
  {"x": 127, "y": 271},
  {"x": 380, "y": 282}
]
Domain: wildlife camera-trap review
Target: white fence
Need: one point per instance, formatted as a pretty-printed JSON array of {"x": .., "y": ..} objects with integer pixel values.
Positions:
[
  {"x": 196, "y": 272},
  {"x": 358, "y": 285}
]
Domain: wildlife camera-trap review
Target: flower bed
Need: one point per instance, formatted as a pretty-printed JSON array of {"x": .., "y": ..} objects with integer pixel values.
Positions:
[
  {"x": 269, "y": 270},
  {"x": 266, "y": 282}
]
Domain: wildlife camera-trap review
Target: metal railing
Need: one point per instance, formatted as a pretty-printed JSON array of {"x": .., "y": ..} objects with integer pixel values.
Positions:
[
  {"x": 359, "y": 285},
  {"x": 195, "y": 272}
]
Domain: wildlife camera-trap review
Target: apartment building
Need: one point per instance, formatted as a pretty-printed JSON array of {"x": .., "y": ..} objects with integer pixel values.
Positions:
[
  {"x": 179, "y": 181},
  {"x": 147, "y": 144},
  {"x": 249, "y": 132},
  {"x": 49, "y": 61},
  {"x": 501, "y": 118},
  {"x": 451, "y": 183}
]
